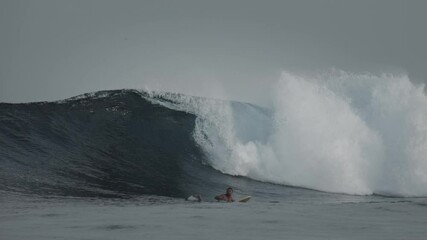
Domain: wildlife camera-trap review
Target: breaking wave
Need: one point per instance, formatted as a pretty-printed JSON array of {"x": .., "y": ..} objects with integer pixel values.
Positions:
[{"x": 338, "y": 132}]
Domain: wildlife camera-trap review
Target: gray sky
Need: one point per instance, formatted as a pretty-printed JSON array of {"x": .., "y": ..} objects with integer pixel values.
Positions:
[{"x": 53, "y": 49}]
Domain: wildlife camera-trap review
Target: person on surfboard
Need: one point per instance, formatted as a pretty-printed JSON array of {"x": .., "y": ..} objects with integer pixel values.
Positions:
[{"x": 228, "y": 196}]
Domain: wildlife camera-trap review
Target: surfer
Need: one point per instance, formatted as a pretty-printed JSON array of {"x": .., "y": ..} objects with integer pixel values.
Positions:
[{"x": 228, "y": 196}]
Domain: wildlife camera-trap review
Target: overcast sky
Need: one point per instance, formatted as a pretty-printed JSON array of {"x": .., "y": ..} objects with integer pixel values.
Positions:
[{"x": 54, "y": 49}]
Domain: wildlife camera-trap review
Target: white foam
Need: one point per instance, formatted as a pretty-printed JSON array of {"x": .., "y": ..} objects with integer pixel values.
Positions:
[{"x": 337, "y": 132}]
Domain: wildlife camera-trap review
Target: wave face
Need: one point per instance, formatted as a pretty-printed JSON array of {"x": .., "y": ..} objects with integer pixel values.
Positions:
[
  {"x": 109, "y": 143},
  {"x": 338, "y": 132}
]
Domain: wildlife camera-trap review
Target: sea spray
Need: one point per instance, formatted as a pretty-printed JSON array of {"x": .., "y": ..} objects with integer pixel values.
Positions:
[{"x": 335, "y": 132}]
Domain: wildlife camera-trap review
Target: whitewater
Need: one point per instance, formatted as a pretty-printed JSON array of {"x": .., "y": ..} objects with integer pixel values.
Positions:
[{"x": 335, "y": 132}]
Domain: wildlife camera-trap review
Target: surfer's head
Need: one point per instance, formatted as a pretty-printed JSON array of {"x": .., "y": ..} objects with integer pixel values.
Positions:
[{"x": 229, "y": 191}]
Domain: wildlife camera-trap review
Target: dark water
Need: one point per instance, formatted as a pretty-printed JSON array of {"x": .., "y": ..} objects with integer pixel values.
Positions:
[
  {"x": 96, "y": 146},
  {"x": 107, "y": 144}
]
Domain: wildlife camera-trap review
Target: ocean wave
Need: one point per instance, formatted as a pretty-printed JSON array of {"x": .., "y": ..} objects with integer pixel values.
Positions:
[{"x": 338, "y": 132}]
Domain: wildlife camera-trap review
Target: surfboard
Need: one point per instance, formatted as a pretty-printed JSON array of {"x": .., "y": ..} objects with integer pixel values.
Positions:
[
  {"x": 194, "y": 198},
  {"x": 245, "y": 199}
]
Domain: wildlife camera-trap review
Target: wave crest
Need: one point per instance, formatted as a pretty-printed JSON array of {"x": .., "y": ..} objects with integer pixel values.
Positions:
[{"x": 336, "y": 132}]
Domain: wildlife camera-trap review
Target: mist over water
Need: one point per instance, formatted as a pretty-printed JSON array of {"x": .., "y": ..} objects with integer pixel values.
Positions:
[{"x": 334, "y": 132}]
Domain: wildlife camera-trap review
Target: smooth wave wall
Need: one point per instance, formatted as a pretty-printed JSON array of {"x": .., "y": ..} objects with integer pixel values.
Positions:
[{"x": 104, "y": 144}]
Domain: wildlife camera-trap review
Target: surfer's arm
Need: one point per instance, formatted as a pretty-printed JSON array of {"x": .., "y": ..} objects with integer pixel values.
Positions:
[{"x": 219, "y": 197}]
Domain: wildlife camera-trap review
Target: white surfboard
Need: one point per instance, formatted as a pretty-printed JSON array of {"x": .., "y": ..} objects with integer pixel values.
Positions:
[
  {"x": 245, "y": 199},
  {"x": 194, "y": 198}
]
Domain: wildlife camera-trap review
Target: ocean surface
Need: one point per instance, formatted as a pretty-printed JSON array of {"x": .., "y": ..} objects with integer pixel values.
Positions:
[
  {"x": 337, "y": 159},
  {"x": 154, "y": 217}
]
